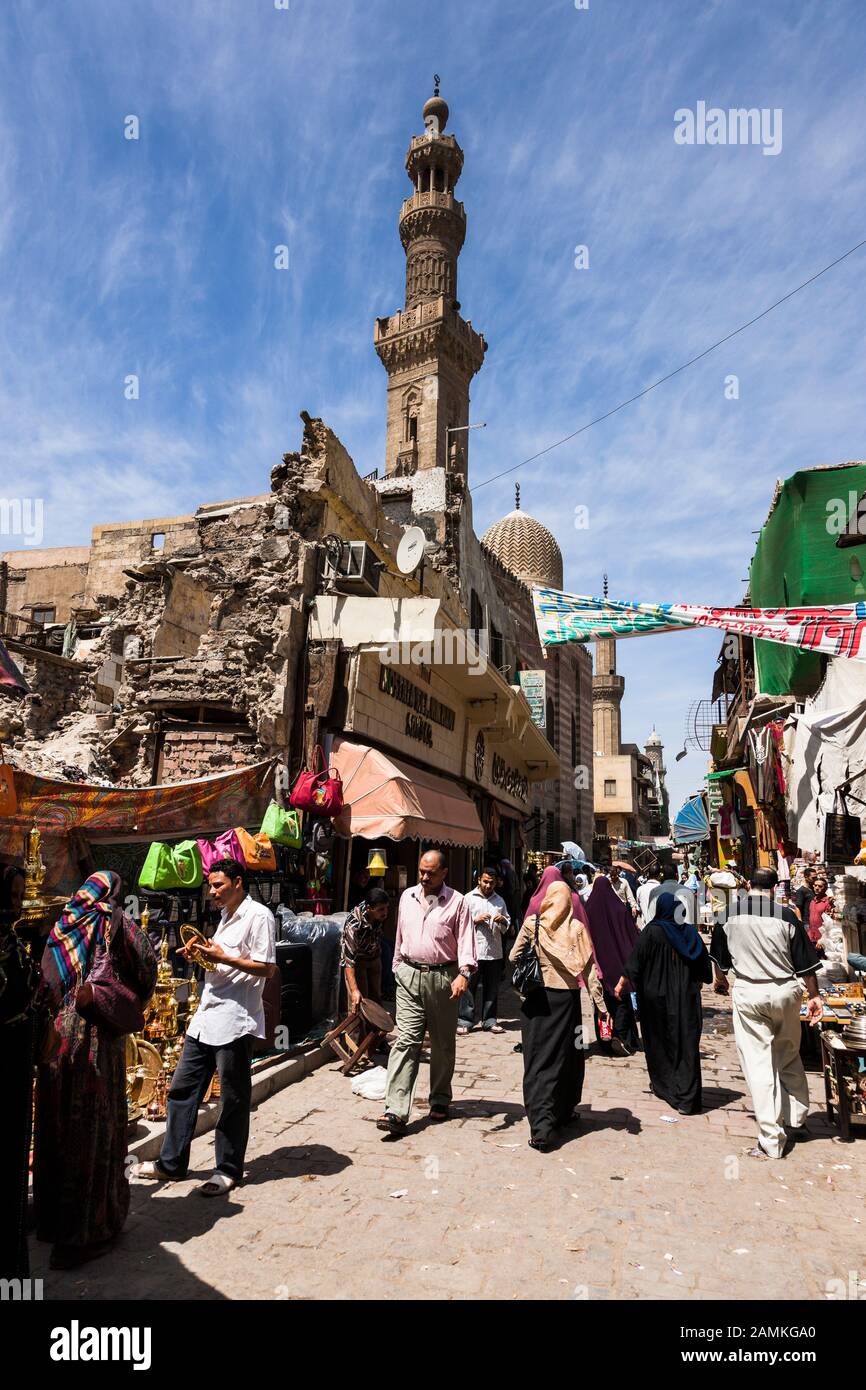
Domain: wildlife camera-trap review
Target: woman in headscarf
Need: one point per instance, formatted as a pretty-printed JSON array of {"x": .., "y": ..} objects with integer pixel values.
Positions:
[
  {"x": 551, "y": 1024},
  {"x": 80, "y": 1185},
  {"x": 614, "y": 935},
  {"x": 667, "y": 968},
  {"x": 17, "y": 1047}
]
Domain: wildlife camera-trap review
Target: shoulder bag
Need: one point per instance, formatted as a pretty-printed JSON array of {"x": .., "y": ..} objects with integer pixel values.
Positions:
[
  {"x": 106, "y": 1001},
  {"x": 527, "y": 968}
]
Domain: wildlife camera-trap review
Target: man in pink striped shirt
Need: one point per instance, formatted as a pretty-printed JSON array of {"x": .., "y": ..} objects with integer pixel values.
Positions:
[{"x": 434, "y": 959}]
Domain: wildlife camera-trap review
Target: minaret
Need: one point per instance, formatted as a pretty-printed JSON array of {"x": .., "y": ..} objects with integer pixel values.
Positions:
[
  {"x": 429, "y": 351},
  {"x": 607, "y": 693}
]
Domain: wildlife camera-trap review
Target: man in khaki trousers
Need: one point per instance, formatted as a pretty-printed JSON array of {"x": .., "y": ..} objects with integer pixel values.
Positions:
[
  {"x": 434, "y": 958},
  {"x": 772, "y": 958}
]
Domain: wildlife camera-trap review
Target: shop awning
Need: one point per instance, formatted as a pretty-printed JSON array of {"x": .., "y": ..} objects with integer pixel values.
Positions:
[
  {"x": 116, "y": 814},
  {"x": 386, "y": 799}
]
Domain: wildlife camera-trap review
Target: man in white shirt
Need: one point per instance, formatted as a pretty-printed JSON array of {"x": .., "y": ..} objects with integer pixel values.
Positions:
[
  {"x": 220, "y": 1036},
  {"x": 773, "y": 960},
  {"x": 646, "y": 895},
  {"x": 490, "y": 919}
]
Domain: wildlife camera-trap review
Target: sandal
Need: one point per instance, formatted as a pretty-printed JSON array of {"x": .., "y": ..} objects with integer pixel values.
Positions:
[
  {"x": 151, "y": 1171},
  {"x": 390, "y": 1123},
  {"x": 217, "y": 1185}
]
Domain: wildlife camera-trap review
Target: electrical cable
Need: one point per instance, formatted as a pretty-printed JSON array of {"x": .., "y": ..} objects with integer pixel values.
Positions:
[{"x": 667, "y": 377}]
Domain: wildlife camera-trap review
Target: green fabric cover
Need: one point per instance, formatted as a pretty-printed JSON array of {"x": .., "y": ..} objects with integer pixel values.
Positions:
[{"x": 798, "y": 562}]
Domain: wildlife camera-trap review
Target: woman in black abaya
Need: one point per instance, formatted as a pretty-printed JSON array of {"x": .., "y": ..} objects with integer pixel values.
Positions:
[{"x": 667, "y": 968}]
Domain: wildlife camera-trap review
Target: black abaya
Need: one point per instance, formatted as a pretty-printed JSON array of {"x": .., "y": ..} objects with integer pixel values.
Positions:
[
  {"x": 553, "y": 1059},
  {"x": 668, "y": 989}
]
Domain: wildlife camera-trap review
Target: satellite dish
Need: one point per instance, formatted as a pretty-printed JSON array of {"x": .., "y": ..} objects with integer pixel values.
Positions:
[{"x": 410, "y": 551}]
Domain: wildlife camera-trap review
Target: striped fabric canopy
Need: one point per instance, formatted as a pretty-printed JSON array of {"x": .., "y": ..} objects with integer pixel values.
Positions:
[{"x": 562, "y": 617}]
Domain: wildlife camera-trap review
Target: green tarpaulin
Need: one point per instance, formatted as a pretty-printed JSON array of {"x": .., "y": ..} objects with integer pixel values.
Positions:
[{"x": 797, "y": 561}]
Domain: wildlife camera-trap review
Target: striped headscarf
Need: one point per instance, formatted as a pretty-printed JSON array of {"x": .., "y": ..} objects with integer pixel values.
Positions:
[{"x": 83, "y": 926}]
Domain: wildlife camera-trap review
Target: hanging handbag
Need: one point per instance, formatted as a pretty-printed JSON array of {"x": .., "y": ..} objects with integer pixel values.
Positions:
[
  {"x": 225, "y": 846},
  {"x": 257, "y": 850},
  {"x": 841, "y": 834},
  {"x": 282, "y": 827},
  {"x": 319, "y": 791},
  {"x": 157, "y": 872},
  {"x": 8, "y": 797},
  {"x": 106, "y": 1001},
  {"x": 187, "y": 865},
  {"x": 168, "y": 867},
  {"x": 527, "y": 968}
]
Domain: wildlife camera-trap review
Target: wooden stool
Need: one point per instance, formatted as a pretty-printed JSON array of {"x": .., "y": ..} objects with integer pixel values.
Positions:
[{"x": 352, "y": 1054}]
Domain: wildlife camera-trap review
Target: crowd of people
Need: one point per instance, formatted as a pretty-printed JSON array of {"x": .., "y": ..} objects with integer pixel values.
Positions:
[
  {"x": 636, "y": 948},
  {"x": 633, "y": 946}
]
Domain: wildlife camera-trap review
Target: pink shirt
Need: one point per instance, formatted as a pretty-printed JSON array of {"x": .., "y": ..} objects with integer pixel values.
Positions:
[{"x": 433, "y": 935}]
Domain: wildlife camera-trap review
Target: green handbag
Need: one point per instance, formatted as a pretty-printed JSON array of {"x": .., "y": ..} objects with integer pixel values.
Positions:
[
  {"x": 186, "y": 860},
  {"x": 167, "y": 867},
  {"x": 282, "y": 827}
]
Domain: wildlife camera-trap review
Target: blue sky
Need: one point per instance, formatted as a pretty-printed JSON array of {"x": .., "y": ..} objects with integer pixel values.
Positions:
[{"x": 261, "y": 126}]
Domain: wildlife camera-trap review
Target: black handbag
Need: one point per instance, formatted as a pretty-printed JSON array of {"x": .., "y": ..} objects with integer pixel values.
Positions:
[
  {"x": 841, "y": 835},
  {"x": 527, "y": 968}
]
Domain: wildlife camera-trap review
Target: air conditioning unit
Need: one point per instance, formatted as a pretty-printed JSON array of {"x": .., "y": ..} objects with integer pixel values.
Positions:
[{"x": 354, "y": 571}]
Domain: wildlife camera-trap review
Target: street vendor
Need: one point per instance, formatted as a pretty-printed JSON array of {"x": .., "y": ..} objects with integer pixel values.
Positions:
[
  {"x": 220, "y": 1036},
  {"x": 361, "y": 947}
]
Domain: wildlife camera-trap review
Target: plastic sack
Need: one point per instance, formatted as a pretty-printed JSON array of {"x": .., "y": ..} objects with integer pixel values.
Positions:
[{"x": 371, "y": 1085}]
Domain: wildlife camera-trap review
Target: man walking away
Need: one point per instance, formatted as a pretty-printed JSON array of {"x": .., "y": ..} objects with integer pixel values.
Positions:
[
  {"x": 434, "y": 959},
  {"x": 772, "y": 959},
  {"x": 491, "y": 919}
]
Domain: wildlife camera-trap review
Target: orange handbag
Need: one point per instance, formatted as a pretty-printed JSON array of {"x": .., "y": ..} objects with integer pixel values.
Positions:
[
  {"x": 8, "y": 797},
  {"x": 257, "y": 850}
]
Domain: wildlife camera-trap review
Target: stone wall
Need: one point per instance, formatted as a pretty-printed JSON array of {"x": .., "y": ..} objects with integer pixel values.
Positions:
[
  {"x": 52, "y": 578},
  {"x": 199, "y": 752}
]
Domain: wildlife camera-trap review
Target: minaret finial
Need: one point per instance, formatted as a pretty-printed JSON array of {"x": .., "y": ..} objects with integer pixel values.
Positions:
[
  {"x": 605, "y": 586},
  {"x": 436, "y": 80},
  {"x": 517, "y": 497}
]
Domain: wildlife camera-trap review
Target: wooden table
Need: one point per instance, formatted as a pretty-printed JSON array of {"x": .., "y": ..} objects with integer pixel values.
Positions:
[{"x": 839, "y": 1059}]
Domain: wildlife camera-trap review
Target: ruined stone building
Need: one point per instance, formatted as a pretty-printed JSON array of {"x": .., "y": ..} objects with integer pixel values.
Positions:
[{"x": 262, "y": 626}]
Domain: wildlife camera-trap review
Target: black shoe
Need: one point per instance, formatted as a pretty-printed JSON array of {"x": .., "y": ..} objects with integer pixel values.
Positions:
[
  {"x": 543, "y": 1146},
  {"x": 518, "y": 1047},
  {"x": 438, "y": 1113}
]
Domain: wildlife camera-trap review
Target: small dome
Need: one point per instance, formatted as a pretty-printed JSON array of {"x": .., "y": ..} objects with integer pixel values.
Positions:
[
  {"x": 526, "y": 548},
  {"x": 654, "y": 741},
  {"x": 436, "y": 106}
]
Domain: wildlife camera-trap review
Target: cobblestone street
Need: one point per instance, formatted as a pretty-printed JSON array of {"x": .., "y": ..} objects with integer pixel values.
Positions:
[{"x": 637, "y": 1203}]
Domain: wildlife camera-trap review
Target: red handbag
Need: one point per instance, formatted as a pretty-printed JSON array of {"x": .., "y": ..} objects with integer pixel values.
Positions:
[{"x": 319, "y": 791}]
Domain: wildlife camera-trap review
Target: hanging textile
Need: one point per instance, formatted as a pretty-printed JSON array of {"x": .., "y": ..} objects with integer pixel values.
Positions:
[{"x": 836, "y": 631}]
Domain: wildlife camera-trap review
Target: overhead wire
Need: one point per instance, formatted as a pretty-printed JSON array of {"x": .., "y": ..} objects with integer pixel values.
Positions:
[{"x": 669, "y": 375}]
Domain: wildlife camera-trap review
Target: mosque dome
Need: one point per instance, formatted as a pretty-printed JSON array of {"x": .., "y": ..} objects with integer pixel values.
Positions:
[
  {"x": 526, "y": 548},
  {"x": 653, "y": 741}
]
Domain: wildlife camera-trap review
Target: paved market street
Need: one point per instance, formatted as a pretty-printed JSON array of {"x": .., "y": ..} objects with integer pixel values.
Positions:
[{"x": 637, "y": 1203}]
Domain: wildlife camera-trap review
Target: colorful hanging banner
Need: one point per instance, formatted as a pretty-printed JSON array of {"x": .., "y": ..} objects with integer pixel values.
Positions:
[{"x": 837, "y": 631}]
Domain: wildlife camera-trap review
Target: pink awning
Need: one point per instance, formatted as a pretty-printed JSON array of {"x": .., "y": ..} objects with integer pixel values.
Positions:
[{"x": 386, "y": 799}]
